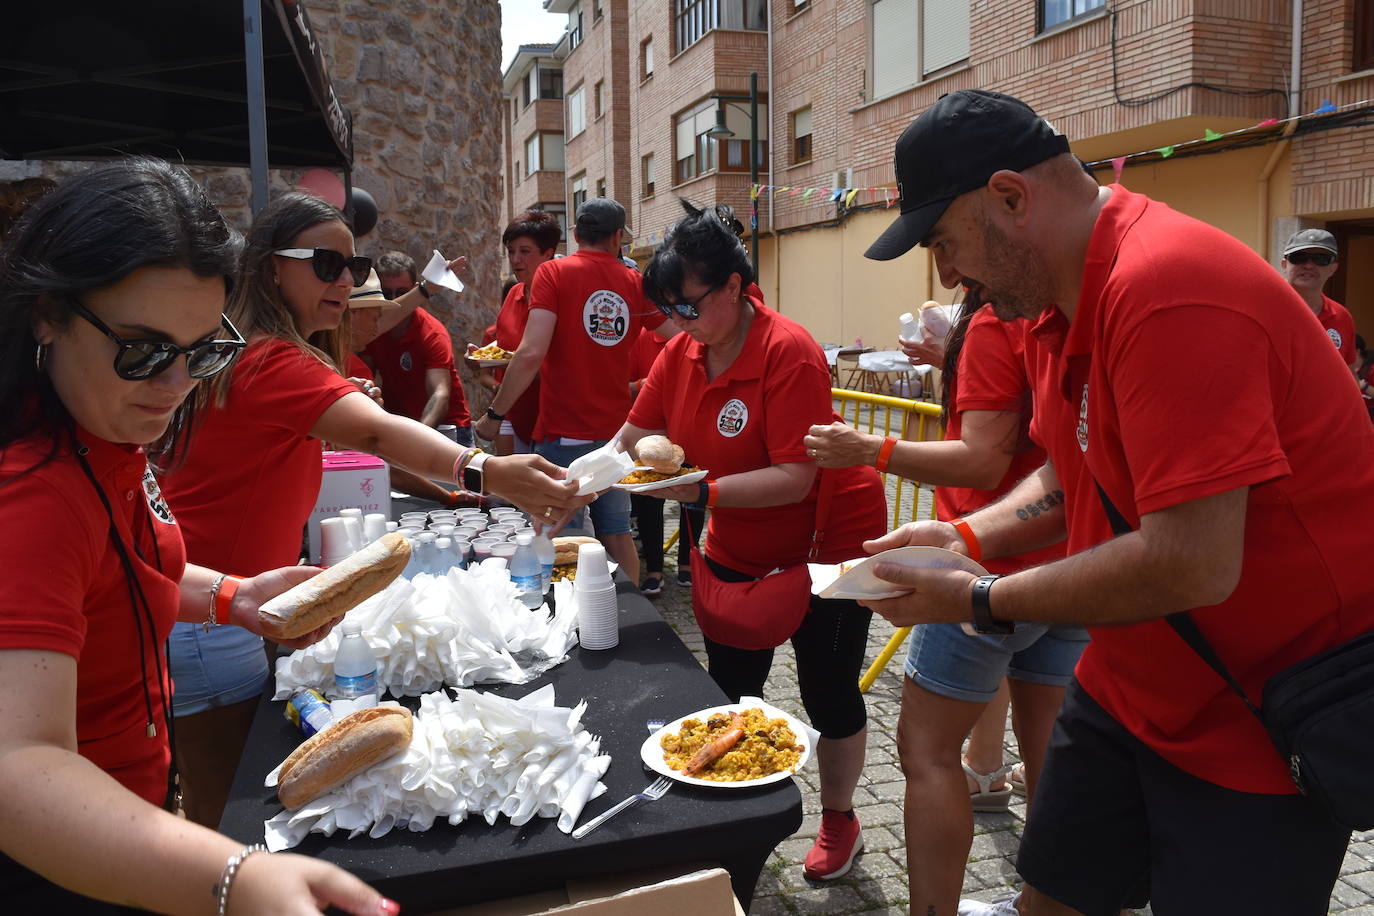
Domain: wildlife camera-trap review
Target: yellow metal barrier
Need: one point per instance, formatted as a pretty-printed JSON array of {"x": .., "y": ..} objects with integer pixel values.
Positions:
[{"x": 905, "y": 419}]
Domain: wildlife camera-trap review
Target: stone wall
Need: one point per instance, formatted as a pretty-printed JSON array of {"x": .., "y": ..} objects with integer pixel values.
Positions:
[{"x": 422, "y": 80}]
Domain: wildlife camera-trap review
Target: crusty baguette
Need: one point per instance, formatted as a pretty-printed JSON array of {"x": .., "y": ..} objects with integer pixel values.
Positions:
[
  {"x": 335, "y": 591},
  {"x": 343, "y": 750},
  {"x": 565, "y": 549}
]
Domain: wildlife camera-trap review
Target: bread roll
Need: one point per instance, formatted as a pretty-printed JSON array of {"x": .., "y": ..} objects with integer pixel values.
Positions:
[
  {"x": 565, "y": 549},
  {"x": 342, "y": 751},
  {"x": 335, "y": 591},
  {"x": 660, "y": 454}
]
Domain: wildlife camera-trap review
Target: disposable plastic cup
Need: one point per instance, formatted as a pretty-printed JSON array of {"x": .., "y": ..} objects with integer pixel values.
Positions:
[
  {"x": 409, "y": 530},
  {"x": 443, "y": 529},
  {"x": 392, "y": 526},
  {"x": 505, "y": 549},
  {"x": 481, "y": 549},
  {"x": 334, "y": 539},
  {"x": 591, "y": 563},
  {"x": 442, "y": 514},
  {"x": 354, "y": 527},
  {"x": 465, "y": 531},
  {"x": 476, "y": 524},
  {"x": 374, "y": 526},
  {"x": 463, "y": 548}
]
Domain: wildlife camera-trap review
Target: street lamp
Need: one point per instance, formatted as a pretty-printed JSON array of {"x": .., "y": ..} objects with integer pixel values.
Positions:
[{"x": 722, "y": 132}]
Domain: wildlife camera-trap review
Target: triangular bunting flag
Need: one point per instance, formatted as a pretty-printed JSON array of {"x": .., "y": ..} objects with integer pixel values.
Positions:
[
  {"x": 1326, "y": 108},
  {"x": 1164, "y": 151},
  {"x": 1209, "y": 134},
  {"x": 1118, "y": 164},
  {"x": 849, "y": 198}
]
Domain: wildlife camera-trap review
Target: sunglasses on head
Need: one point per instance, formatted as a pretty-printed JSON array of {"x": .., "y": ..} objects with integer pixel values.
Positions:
[
  {"x": 136, "y": 360},
  {"x": 687, "y": 311},
  {"x": 329, "y": 263},
  {"x": 1320, "y": 258}
]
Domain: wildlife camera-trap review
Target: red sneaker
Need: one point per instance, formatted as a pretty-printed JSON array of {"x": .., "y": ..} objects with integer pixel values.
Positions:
[{"x": 838, "y": 842}]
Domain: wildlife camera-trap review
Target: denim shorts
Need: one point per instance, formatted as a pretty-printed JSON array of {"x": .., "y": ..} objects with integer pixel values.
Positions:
[
  {"x": 611, "y": 510},
  {"x": 945, "y": 660},
  {"x": 219, "y": 668}
]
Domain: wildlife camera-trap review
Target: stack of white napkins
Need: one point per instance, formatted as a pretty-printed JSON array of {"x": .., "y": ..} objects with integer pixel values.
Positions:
[
  {"x": 475, "y": 754},
  {"x": 601, "y": 468},
  {"x": 463, "y": 628}
]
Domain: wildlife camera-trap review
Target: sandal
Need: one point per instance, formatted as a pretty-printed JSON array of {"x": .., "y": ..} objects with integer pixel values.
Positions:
[
  {"x": 1017, "y": 778},
  {"x": 988, "y": 799},
  {"x": 652, "y": 586}
]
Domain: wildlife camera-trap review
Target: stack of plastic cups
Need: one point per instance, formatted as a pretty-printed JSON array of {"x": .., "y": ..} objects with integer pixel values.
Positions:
[
  {"x": 335, "y": 543},
  {"x": 598, "y": 617},
  {"x": 353, "y": 521},
  {"x": 374, "y": 526}
]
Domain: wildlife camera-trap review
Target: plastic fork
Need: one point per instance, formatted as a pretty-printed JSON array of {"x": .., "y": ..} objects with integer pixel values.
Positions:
[
  {"x": 652, "y": 792},
  {"x": 654, "y": 725}
]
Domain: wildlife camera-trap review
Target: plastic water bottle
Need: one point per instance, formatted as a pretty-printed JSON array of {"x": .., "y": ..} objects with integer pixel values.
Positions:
[
  {"x": 413, "y": 564},
  {"x": 308, "y": 711},
  {"x": 526, "y": 572},
  {"x": 446, "y": 559},
  {"x": 543, "y": 549},
  {"x": 355, "y": 669},
  {"x": 429, "y": 554}
]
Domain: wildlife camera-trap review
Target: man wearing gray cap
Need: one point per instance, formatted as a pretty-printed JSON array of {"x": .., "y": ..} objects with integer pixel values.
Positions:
[
  {"x": 1309, "y": 260},
  {"x": 1187, "y": 410}
]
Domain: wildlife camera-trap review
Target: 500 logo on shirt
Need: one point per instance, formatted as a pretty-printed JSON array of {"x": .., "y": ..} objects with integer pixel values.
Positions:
[
  {"x": 606, "y": 317},
  {"x": 732, "y": 419}
]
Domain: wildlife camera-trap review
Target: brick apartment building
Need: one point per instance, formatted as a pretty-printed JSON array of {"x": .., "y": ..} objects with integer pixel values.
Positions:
[
  {"x": 845, "y": 77},
  {"x": 532, "y": 134}
]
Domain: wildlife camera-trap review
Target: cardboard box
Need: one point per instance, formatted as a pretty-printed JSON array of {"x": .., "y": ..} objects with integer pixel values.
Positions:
[
  {"x": 654, "y": 892},
  {"x": 351, "y": 480}
]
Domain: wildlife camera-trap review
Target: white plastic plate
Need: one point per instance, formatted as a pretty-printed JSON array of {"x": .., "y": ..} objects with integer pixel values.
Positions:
[
  {"x": 855, "y": 580},
  {"x": 651, "y": 752},
  {"x": 678, "y": 481}
]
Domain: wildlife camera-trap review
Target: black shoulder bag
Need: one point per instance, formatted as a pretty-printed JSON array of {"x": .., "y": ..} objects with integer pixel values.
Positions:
[{"x": 1319, "y": 713}]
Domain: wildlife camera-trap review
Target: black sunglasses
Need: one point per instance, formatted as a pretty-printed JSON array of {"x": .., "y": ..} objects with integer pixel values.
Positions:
[
  {"x": 687, "y": 311},
  {"x": 329, "y": 263},
  {"x": 137, "y": 360},
  {"x": 1320, "y": 258},
  {"x": 395, "y": 292}
]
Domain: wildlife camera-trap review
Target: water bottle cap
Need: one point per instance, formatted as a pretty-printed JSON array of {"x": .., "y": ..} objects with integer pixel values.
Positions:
[
  {"x": 351, "y": 628},
  {"x": 427, "y": 537},
  {"x": 524, "y": 540}
]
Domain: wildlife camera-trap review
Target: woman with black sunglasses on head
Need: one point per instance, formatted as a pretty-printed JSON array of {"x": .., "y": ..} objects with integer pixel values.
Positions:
[
  {"x": 251, "y": 478},
  {"x": 738, "y": 390},
  {"x": 112, "y": 289}
]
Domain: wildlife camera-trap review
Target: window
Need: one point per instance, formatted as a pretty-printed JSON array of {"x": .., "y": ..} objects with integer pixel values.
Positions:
[
  {"x": 1054, "y": 12},
  {"x": 532, "y": 155},
  {"x": 525, "y": 88},
  {"x": 943, "y": 26},
  {"x": 601, "y": 187},
  {"x": 559, "y": 210},
  {"x": 694, "y": 18},
  {"x": 801, "y": 135},
  {"x": 579, "y": 192},
  {"x": 544, "y": 152},
  {"x": 646, "y": 174},
  {"x": 1364, "y": 35},
  {"x": 596, "y": 10},
  {"x": 574, "y": 27},
  {"x": 550, "y": 83},
  {"x": 646, "y": 58},
  {"x": 696, "y": 153},
  {"x": 596, "y": 98},
  {"x": 577, "y": 114}
]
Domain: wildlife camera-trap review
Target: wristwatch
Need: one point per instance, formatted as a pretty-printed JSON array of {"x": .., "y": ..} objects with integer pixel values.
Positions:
[
  {"x": 983, "y": 622},
  {"x": 472, "y": 474},
  {"x": 498, "y": 417},
  {"x": 423, "y": 287}
]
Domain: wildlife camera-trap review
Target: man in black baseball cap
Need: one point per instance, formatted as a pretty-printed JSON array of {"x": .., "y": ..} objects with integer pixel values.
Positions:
[
  {"x": 1187, "y": 407},
  {"x": 598, "y": 217},
  {"x": 954, "y": 148}
]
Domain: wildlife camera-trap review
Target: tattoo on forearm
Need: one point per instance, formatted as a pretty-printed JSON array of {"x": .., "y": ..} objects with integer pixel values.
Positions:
[{"x": 1042, "y": 505}]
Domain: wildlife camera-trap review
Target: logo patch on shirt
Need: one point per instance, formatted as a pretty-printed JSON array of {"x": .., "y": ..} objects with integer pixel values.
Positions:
[
  {"x": 406, "y": 361},
  {"x": 606, "y": 317},
  {"x": 1335, "y": 336},
  {"x": 732, "y": 419},
  {"x": 156, "y": 504},
  {"x": 1083, "y": 420}
]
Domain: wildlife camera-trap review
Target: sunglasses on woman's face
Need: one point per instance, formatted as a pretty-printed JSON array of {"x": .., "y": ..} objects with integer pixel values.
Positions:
[
  {"x": 329, "y": 263},
  {"x": 137, "y": 360},
  {"x": 1320, "y": 258},
  {"x": 689, "y": 310}
]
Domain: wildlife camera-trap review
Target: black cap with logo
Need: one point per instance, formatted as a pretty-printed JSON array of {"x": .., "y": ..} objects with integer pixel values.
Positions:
[
  {"x": 954, "y": 147},
  {"x": 601, "y": 216}
]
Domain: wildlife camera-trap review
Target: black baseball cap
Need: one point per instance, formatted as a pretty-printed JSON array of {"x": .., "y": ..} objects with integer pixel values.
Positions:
[
  {"x": 602, "y": 216},
  {"x": 954, "y": 147}
]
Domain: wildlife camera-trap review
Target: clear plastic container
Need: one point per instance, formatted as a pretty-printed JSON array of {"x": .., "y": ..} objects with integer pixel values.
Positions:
[
  {"x": 543, "y": 549},
  {"x": 355, "y": 668},
  {"x": 526, "y": 572}
]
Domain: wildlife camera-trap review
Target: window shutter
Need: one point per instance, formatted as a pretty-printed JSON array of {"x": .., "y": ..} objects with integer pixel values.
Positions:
[
  {"x": 553, "y": 152},
  {"x": 894, "y": 41},
  {"x": 801, "y": 123},
  {"x": 945, "y": 38}
]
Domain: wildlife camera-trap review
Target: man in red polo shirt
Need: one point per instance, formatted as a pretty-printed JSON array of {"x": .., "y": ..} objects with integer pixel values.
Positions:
[
  {"x": 1176, "y": 372},
  {"x": 1309, "y": 260},
  {"x": 596, "y": 306},
  {"x": 415, "y": 357}
]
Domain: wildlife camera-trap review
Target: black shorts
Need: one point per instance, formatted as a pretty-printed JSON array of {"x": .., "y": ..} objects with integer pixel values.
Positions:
[{"x": 1111, "y": 817}]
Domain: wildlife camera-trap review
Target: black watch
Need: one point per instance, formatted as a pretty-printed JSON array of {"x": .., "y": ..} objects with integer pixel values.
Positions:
[
  {"x": 423, "y": 287},
  {"x": 982, "y": 609},
  {"x": 498, "y": 417}
]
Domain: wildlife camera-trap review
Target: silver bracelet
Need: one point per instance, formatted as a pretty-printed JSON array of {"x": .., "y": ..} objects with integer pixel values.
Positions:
[
  {"x": 231, "y": 868},
  {"x": 215, "y": 586}
]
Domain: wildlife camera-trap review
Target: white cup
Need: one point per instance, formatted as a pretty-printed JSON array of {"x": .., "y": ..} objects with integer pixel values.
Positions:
[
  {"x": 374, "y": 526},
  {"x": 591, "y": 564},
  {"x": 392, "y": 526},
  {"x": 354, "y": 527},
  {"x": 505, "y": 549},
  {"x": 334, "y": 540},
  {"x": 443, "y": 529}
]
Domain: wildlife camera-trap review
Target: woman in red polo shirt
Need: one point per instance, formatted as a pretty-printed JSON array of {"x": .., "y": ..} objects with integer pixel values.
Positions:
[
  {"x": 738, "y": 391},
  {"x": 252, "y": 476},
  {"x": 104, "y": 286}
]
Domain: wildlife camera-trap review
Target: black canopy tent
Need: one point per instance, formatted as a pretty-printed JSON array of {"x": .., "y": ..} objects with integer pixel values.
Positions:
[{"x": 213, "y": 82}]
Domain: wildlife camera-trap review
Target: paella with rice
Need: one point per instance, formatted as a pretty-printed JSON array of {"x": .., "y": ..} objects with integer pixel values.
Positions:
[{"x": 729, "y": 746}]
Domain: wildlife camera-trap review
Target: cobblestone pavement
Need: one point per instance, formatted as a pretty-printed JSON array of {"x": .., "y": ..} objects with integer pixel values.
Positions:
[{"x": 877, "y": 883}]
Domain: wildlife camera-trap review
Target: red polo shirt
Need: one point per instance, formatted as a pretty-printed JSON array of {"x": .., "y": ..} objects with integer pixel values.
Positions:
[
  {"x": 252, "y": 473},
  {"x": 600, "y": 306},
  {"x": 510, "y": 328},
  {"x": 402, "y": 363},
  {"x": 647, "y": 347},
  {"x": 64, "y": 591},
  {"x": 1191, "y": 369},
  {"x": 992, "y": 376},
  {"x": 1340, "y": 327},
  {"x": 751, "y": 416},
  {"x": 356, "y": 368}
]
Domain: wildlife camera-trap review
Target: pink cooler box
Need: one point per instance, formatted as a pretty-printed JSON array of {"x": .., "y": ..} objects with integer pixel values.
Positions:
[{"x": 351, "y": 480}]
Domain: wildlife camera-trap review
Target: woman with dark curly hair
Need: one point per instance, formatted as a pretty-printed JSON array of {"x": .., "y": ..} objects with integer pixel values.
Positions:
[{"x": 738, "y": 390}]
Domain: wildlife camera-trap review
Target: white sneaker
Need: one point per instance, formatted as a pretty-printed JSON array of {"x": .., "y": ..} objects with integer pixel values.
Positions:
[{"x": 1003, "y": 906}]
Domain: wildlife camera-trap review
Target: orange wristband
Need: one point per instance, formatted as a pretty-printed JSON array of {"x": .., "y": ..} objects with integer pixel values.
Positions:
[
  {"x": 975, "y": 550},
  {"x": 885, "y": 454},
  {"x": 712, "y": 494},
  {"x": 224, "y": 597}
]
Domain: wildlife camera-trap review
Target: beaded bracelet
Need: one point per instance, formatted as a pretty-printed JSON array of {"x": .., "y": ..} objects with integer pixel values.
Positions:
[
  {"x": 231, "y": 868},
  {"x": 461, "y": 462}
]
